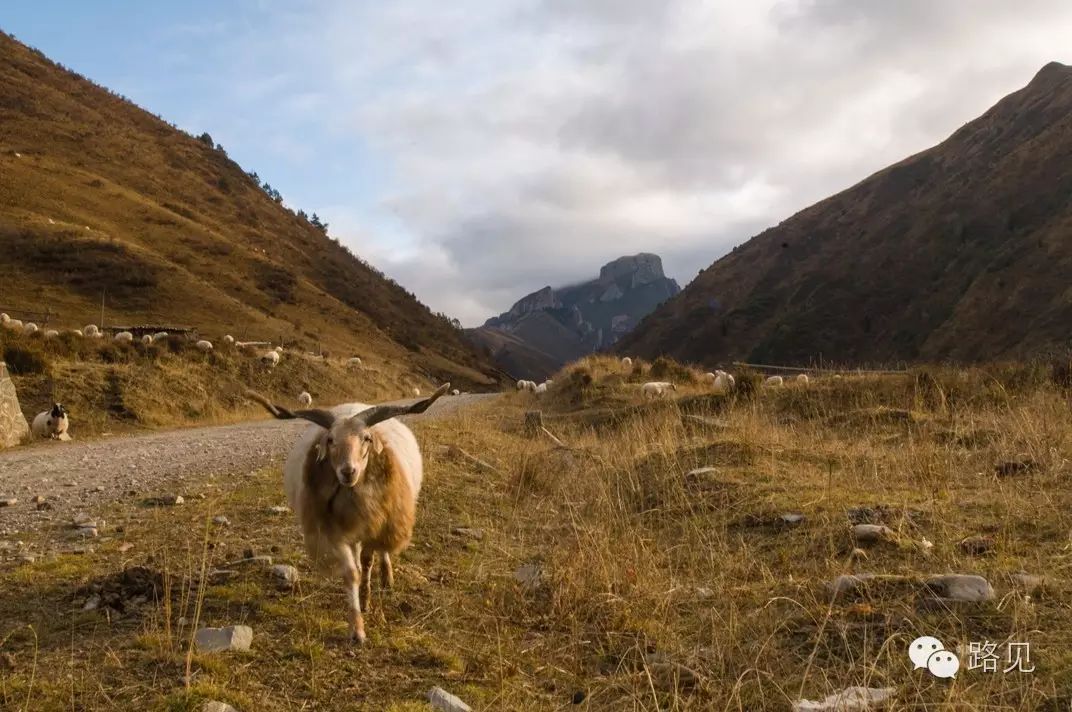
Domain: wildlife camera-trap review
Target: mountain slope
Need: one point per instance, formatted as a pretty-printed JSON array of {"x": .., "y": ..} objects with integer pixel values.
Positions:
[
  {"x": 100, "y": 198},
  {"x": 550, "y": 327},
  {"x": 958, "y": 252}
]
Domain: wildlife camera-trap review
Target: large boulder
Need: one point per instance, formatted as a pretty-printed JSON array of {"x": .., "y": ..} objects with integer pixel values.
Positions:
[{"x": 13, "y": 426}]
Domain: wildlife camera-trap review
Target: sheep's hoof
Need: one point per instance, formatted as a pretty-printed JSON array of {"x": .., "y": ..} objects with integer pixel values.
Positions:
[{"x": 358, "y": 638}]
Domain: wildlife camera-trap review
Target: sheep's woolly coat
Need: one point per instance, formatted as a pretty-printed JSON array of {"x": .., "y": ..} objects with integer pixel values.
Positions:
[{"x": 379, "y": 511}]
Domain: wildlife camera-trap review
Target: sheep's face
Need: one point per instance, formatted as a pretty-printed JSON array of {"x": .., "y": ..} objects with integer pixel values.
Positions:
[{"x": 347, "y": 446}]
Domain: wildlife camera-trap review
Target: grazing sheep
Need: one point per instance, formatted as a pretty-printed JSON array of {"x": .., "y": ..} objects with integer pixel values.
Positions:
[
  {"x": 279, "y": 349},
  {"x": 521, "y": 385},
  {"x": 627, "y": 362},
  {"x": 4, "y": 318},
  {"x": 774, "y": 381},
  {"x": 204, "y": 346},
  {"x": 270, "y": 359},
  {"x": 30, "y": 329},
  {"x": 355, "y": 362},
  {"x": 147, "y": 339},
  {"x": 353, "y": 482},
  {"x": 540, "y": 389},
  {"x": 529, "y": 386},
  {"x": 51, "y": 333},
  {"x": 228, "y": 340},
  {"x": 124, "y": 337},
  {"x": 13, "y": 325},
  {"x": 76, "y": 332},
  {"x": 802, "y": 379},
  {"x": 51, "y": 423},
  {"x": 657, "y": 389},
  {"x": 305, "y": 399},
  {"x": 724, "y": 383},
  {"x": 91, "y": 331},
  {"x": 159, "y": 336}
]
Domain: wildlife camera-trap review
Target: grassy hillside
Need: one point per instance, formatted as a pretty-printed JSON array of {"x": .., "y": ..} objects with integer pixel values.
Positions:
[
  {"x": 111, "y": 387},
  {"x": 102, "y": 199},
  {"x": 659, "y": 590},
  {"x": 959, "y": 252}
]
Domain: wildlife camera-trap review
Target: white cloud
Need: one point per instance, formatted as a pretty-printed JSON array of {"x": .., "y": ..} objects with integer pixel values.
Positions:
[{"x": 525, "y": 143}]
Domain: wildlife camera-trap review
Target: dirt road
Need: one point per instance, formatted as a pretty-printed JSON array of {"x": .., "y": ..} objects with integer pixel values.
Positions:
[{"x": 80, "y": 476}]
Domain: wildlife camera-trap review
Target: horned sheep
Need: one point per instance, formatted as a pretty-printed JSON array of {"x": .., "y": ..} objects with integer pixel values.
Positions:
[
  {"x": 51, "y": 423},
  {"x": 353, "y": 480}
]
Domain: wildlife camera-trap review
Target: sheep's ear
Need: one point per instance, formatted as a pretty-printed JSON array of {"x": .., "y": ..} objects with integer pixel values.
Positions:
[
  {"x": 377, "y": 443},
  {"x": 322, "y": 448}
]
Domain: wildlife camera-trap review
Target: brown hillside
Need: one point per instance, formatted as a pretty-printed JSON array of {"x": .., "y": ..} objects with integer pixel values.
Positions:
[
  {"x": 97, "y": 195},
  {"x": 960, "y": 252}
]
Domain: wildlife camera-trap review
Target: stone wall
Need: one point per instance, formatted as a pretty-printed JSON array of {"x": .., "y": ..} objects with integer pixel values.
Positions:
[{"x": 13, "y": 425}]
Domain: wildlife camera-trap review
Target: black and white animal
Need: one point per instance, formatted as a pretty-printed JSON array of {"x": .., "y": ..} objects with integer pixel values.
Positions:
[{"x": 51, "y": 423}]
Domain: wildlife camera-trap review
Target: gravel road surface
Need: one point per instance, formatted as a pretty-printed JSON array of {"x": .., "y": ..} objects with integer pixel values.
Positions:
[{"x": 79, "y": 476}]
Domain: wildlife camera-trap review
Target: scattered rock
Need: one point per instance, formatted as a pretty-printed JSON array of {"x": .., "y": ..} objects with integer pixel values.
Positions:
[
  {"x": 851, "y": 699},
  {"x": 27, "y": 559},
  {"x": 702, "y": 476},
  {"x": 873, "y": 533},
  {"x": 221, "y": 575},
  {"x": 38, "y": 499},
  {"x": 125, "y": 547},
  {"x": 82, "y": 519},
  {"x": 977, "y": 545},
  {"x": 1015, "y": 467},
  {"x": 285, "y": 576},
  {"x": 961, "y": 587},
  {"x": 477, "y": 534},
  {"x": 670, "y": 676},
  {"x": 215, "y": 640},
  {"x": 221, "y": 521},
  {"x": 172, "y": 500},
  {"x": 848, "y": 583},
  {"x": 1028, "y": 583},
  {"x": 278, "y": 510},
  {"x": 215, "y": 706},
  {"x": 792, "y": 518},
  {"x": 530, "y": 576},
  {"x": 9, "y": 501},
  {"x": 92, "y": 603},
  {"x": 440, "y": 699},
  {"x": 86, "y": 532},
  {"x": 251, "y": 561}
]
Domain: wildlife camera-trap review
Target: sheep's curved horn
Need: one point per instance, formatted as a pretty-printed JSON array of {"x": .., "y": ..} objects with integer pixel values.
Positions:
[
  {"x": 380, "y": 413},
  {"x": 324, "y": 418}
]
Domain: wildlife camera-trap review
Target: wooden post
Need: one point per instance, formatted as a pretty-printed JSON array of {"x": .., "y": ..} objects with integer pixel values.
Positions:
[{"x": 533, "y": 422}]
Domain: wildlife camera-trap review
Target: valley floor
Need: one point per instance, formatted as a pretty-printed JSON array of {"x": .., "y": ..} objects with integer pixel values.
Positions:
[{"x": 650, "y": 556}]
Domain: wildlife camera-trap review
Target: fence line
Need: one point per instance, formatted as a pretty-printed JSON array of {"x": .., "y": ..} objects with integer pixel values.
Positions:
[{"x": 862, "y": 371}]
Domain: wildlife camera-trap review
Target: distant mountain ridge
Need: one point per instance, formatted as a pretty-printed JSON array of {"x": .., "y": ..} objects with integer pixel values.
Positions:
[
  {"x": 550, "y": 327},
  {"x": 960, "y": 252}
]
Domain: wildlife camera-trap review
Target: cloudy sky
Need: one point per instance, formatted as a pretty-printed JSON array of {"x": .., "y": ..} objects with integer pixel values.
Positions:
[{"x": 477, "y": 150}]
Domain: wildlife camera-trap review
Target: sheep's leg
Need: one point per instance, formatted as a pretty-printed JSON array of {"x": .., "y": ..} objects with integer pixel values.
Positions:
[
  {"x": 351, "y": 579},
  {"x": 387, "y": 572},
  {"x": 366, "y": 577}
]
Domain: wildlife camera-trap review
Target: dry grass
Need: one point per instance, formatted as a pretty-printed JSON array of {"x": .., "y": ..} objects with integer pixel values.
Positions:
[
  {"x": 111, "y": 387},
  {"x": 643, "y": 567}
]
